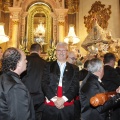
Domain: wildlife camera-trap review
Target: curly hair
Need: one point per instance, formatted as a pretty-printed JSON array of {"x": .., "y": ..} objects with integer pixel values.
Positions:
[{"x": 10, "y": 59}]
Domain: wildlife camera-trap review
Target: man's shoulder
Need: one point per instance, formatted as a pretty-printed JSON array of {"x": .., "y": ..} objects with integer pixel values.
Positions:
[
  {"x": 6, "y": 82},
  {"x": 92, "y": 78},
  {"x": 72, "y": 65},
  {"x": 108, "y": 67},
  {"x": 35, "y": 56}
]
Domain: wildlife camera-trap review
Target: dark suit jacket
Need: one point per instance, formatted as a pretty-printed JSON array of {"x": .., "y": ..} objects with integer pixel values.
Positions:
[
  {"x": 89, "y": 89},
  {"x": 111, "y": 78},
  {"x": 82, "y": 74},
  {"x": 118, "y": 70},
  {"x": 33, "y": 76},
  {"x": 70, "y": 82},
  {"x": 15, "y": 100}
]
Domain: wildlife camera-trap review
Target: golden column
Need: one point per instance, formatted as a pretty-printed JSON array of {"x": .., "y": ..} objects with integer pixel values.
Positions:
[
  {"x": 61, "y": 13},
  {"x": 23, "y": 23},
  {"x": 15, "y": 16}
]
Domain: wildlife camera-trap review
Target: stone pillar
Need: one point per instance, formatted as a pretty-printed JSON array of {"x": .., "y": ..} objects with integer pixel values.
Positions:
[
  {"x": 15, "y": 16},
  {"x": 61, "y": 13}
]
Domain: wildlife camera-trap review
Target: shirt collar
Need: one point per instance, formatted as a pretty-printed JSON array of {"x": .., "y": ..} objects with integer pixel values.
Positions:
[
  {"x": 61, "y": 63},
  {"x": 99, "y": 80}
]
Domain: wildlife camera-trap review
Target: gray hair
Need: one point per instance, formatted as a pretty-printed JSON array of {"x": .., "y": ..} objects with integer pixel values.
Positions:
[
  {"x": 62, "y": 44},
  {"x": 94, "y": 65}
]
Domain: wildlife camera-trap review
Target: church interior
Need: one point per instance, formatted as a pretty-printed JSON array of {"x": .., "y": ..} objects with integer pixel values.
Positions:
[{"x": 89, "y": 27}]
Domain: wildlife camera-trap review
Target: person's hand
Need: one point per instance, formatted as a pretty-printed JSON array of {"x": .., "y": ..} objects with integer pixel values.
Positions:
[
  {"x": 54, "y": 99},
  {"x": 118, "y": 90},
  {"x": 59, "y": 103},
  {"x": 61, "y": 107}
]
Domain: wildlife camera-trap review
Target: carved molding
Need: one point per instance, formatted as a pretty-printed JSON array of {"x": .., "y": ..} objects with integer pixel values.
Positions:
[
  {"x": 15, "y": 22},
  {"x": 15, "y": 12},
  {"x": 61, "y": 23},
  {"x": 53, "y": 15},
  {"x": 72, "y": 6},
  {"x": 61, "y": 13},
  {"x": 4, "y": 5},
  {"x": 101, "y": 13}
]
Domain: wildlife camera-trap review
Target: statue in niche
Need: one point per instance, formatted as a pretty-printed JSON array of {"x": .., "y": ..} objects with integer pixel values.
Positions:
[{"x": 99, "y": 12}]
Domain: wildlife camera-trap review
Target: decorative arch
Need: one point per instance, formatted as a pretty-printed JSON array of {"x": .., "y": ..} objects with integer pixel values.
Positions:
[
  {"x": 38, "y": 8},
  {"x": 27, "y": 3}
]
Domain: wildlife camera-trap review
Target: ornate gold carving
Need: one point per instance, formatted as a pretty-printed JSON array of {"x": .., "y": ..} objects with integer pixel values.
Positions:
[
  {"x": 61, "y": 23},
  {"x": 38, "y": 8},
  {"x": 15, "y": 12},
  {"x": 15, "y": 22},
  {"x": 99, "y": 12},
  {"x": 0, "y": 5},
  {"x": 72, "y": 6},
  {"x": 6, "y": 5}
]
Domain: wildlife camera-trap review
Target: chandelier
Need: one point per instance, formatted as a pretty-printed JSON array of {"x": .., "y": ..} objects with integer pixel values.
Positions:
[
  {"x": 3, "y": 37},
  {"x": 39, "y": 33},
  {"x": 71, "y": 38}
]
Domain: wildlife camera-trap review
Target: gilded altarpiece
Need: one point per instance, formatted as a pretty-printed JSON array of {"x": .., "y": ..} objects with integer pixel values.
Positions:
[{"x": 33, "y": 10}]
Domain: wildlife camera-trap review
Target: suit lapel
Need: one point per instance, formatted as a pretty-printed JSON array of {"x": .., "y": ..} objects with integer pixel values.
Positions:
[
  {"x": 54, "y": 69},
  {"x": 103, "y": 86}
]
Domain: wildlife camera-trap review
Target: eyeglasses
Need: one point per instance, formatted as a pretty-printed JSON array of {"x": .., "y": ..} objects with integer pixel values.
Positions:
[
  {"x": 61, "y": 51},
  {"x": 73, "y": 58}
]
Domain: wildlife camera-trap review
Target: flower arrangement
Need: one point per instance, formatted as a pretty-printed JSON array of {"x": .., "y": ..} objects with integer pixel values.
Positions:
[
  {"x": 23, "y": 46},
  {"x": 25, "y": 50},
  {"x": 51, "y": 53}
]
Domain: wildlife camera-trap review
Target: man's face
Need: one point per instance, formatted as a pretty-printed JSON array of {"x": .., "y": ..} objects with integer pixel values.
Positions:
[
  {"x": 72, "y": 58},
  {"x": 23, "y": 62},
  {"x": 61, "y": 53}
]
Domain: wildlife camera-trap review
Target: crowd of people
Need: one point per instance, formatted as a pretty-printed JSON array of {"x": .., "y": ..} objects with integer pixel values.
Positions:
[{"x": 34, "y": 89}]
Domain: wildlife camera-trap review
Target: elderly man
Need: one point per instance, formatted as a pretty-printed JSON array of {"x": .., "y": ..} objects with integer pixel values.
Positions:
[
  {"x": 89, "y": 88},
  {"x": 15, "y": 101},
  {"x": 72, "y": 57},
  {"x": 60, "y": 85}
]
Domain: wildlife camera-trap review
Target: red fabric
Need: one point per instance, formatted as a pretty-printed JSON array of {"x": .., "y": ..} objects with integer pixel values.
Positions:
[
  {"x": 65, "y": 104},
  {"x": 59, "y": 94},
  {"x": 59, "y": 91},
  {"x": 77, "y": 98}
]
